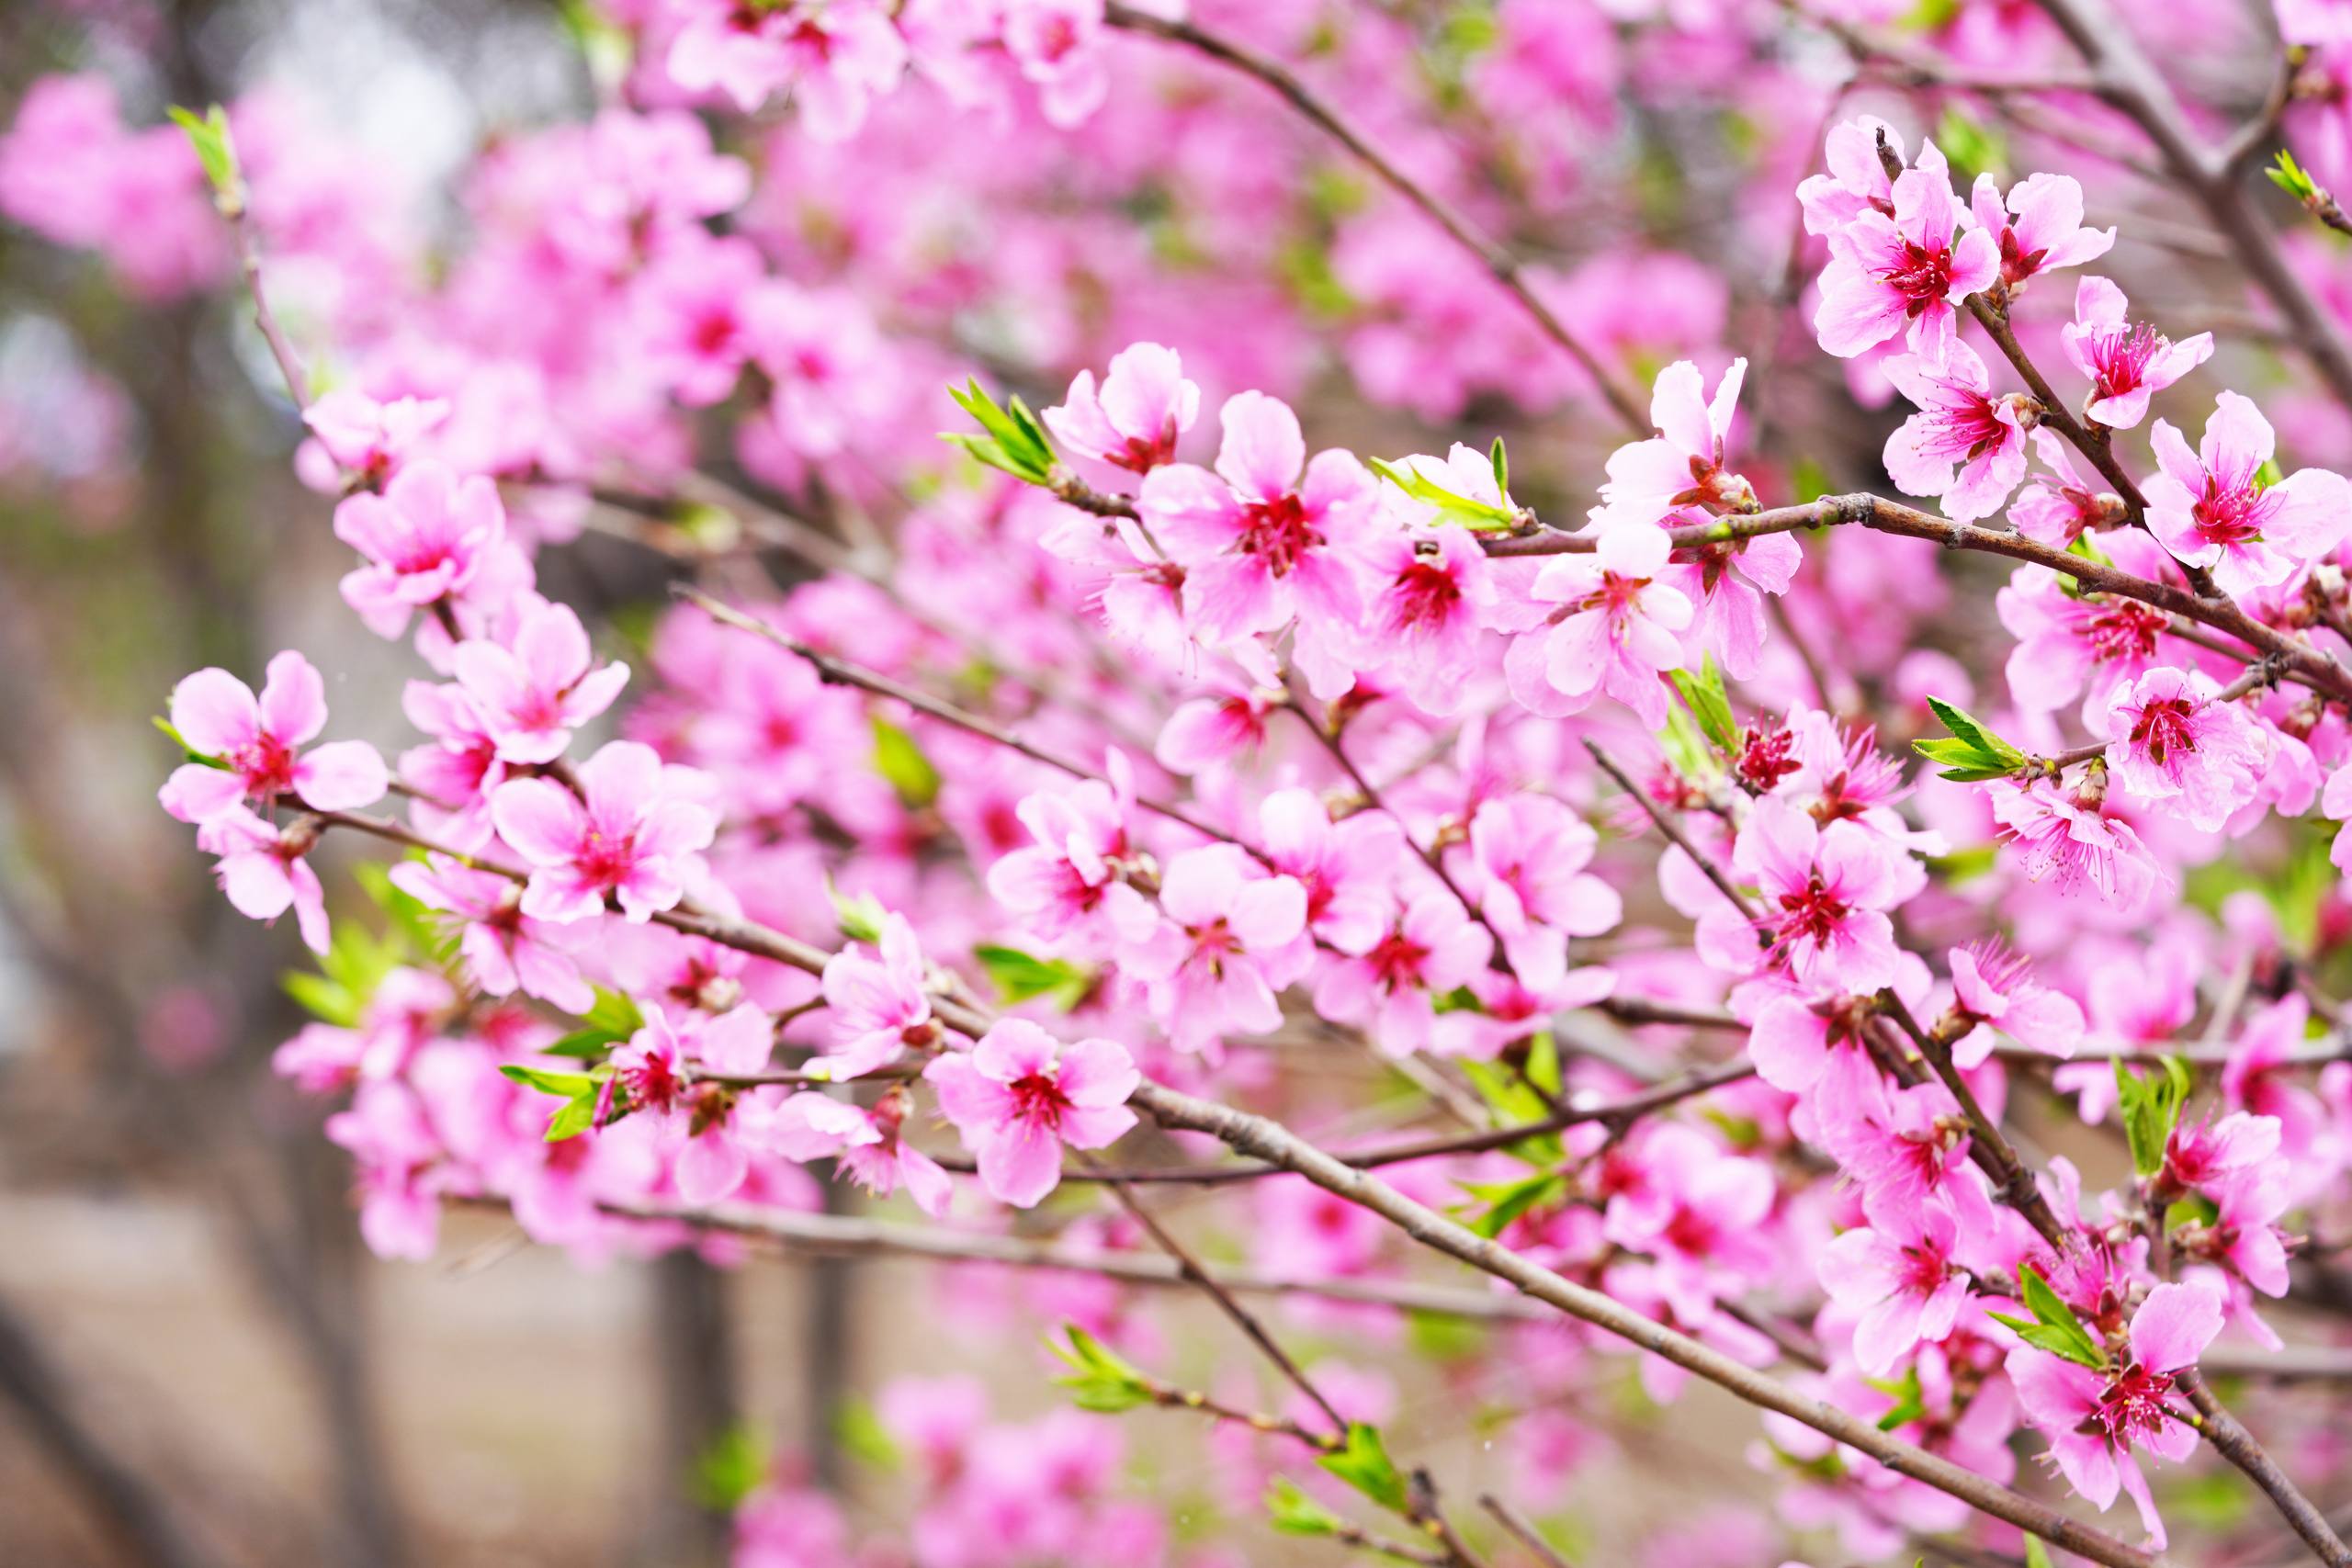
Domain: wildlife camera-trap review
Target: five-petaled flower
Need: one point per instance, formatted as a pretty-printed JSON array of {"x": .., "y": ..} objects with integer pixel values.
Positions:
[
  {"x": 1019, "y": 1094},
  {"x": 628, "y": 835},
  {"x": 2212, "y": 508},
  {"x": 1904, "y": 272},
  {"x": 256, "y": 742}
]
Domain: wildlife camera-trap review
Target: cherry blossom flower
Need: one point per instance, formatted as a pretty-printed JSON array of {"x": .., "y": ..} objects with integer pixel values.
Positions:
[
  {"x": 1959, "y": 422},
  {"x": 1019, "y": 1094},
  {"x": 1428, "y": 592},
  {"x": 1994, "y": 987},
  {"x": 1824, "y": 892},
  {"x": 2040, "y": 228},
  {"x": 2207, "y": 1155},
  {"x": 2125, "y": 363},
  {"x": 1699, "y": 1212},
  {"x": 370, "y": 440},
  {"x": 1613, "y": 631},
  {"x": 1206, "y": 731},
  {"x": 2058, "y": 507},
  {"x": 1133, "y": 423},
  {"x": 1525, "y": 867},
  {"x": 426, "y": 538},
  {"x": 257, "y": 742},
  {"x": 628, "y": 834},
  {"x": 2173, "y": 741},
  {"x": 1856, "y": 180},
  {"x": 1068, "y": 886},
  {"x": 1347, "y": 868},
  {"x": 879, "y": 1008},
  {"x": 1258, "y": 544},
  {"x": 2095, "y": 1420},
  {"x": 394, "y": 1149},
  {"x": 2063, "y": 835},
  {"x": 654, "y": 1076},
  {"x": 1432, "y": 948},
  {"x": 2068, "y": 645},
  {"x": 262, "y": 869},
  {"x": 1229, "y": 939},
  {"x": 835, "y": 58},
  {"x": 2212, "y": 507},
  {"x": 505, "y": 949},
  {"x": 1057, "y": 44},
  {"x": 1900, "y": 1275},
  {"x": 1726, "y": 583},
  {"x": 536, "y": 686},
  {"x": 881, "y": 1160},
  {"x": 1904, "y": 272},
  {"x": 1684, "y": 464}
]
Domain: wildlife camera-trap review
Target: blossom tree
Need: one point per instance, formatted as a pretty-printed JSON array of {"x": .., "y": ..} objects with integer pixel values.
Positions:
[{"x": 1236, "y": 857}]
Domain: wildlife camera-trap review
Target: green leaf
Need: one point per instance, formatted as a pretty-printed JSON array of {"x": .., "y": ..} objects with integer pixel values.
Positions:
[
  {"x": 2151, "y": 1109},
  {"x": 1099, "y": 1380},
  {"x": 862, "y": 1434},
  {"x": 734, "y": 1466},
  {"x": 575, "y": 1116},
  {"x": 860, "y": 918},
  {"x": 1971, "y": 144},
  {"x": 1507, "y": 1201},
  {"x": 2036, "y": 1554},
  {"x": 321, "y": 999},
  {"x": 1019, "y": 976},
  {"x": 422, "y": 931},
  {"x": 1292, "y": 1512},
  {"x": 1365, "y": 1464},
  {"x": 565, "y": 1085},
  {"x": 1502, "y": 468},
  {"x": 2289, "y": 177},
  {"x": 1705, "y": 695},
  {"x": 216, "y": 150},
  {"x": 2054, "y": 1326},
  {"x": 1013, "y": 439},
  {"x": 190, "y": 752},
  {"x": 1469, "y": 510},
  {"x": 1973, "y": 751},
  {"x": 903, "y": 766}
]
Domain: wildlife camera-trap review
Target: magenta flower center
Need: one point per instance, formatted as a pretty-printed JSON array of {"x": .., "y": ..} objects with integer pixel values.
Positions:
[
  {"x": 1811, "y": 911},
  {"x": 1426, "y": 596},
  {"x": 265, "y": 764},
  {"x": 1279, "y": 532},
  {"x": 2125, "y": 629},
  {"x": 1923, "y": 1270},
  {"x": 2133, "y": 1407},
  {"x": 1038, "y": 1101},
  {"x": 2164, "y": 728},
  {"x": 652, "y": 1085},
  {"x": 2231, "y": 510},
  {"x": 2122, "y": 354},
  {"x": 1398, "y": 961},
  {"x": 1922, "y": 276},
  {"x": 606, "y": 859}
]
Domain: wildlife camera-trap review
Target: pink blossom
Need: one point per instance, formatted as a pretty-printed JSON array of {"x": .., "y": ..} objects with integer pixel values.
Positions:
[
  {"x": 1824, "y": 892},
  {"x": 395, "y": 1150},
  {"x": 654, "y": 1076},
  {"x": 2057, "y": 508},
  {"x": 370, "y": 440},
  {"x": 690, "y": 315},
  {"x": 1684, "y": 464},
  {"x": 426, "y": 538},
  {"x": 1229, "y": 939},
  {"x": 1428, "y": 592},
  {"x": 1133, "y": 423},
  {"x": 1058, "y": 46},
  {"x": 2125, "y": 363},
  {"x": 1525, "y": 868},
  {"x": 1431, "y": 949},
  {"x": 1994, "y": 986},
  {"x": 2212, "y": 507},
  {"x": 1614, "y": 630},
  {"x": 2061, "y": 834},
  {"x": 1019, "y": 1094},
  {"x": 1959, "y": 422},
  {"x": 505, "y": 949},
  {"x": 1258, "y": 545},
  {"x": 2066, "y": 642},
  {"x": 1205, "y": 731},
  {"x": 879, "y": 1006},
  {"x": 1347, "y": 868},
  {"x": 262, "y": 869},
  {"x": 1856, "y": 180},
  {"x": 885, "y": 1161},
  {"x": 2314, "y": 23},
  {"x": 2206, "y": 1154},
  {"x": 2173, "y": 741},
  {"x": 535, "y": 685},
  {"x": 1899, "y": 1274},
  {"x": 1699, "y": 1212},
  {"x": 628, "y": 835},
  {"x": 1726, "y": 580},
  {"x": 257, "y": 742},
  {"x": 834, "y": 58},
  {"x": 1904, "y": 272},
  {"x": 2095, "y": 1419},
  {"x": 1069, "y": 884},
  {"x": 2040, "y": 228}
]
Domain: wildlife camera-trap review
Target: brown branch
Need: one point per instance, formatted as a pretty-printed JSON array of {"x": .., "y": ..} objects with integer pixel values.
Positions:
[
  {"x": 1507, "y": 268},
  {"x": 1523, "y": 1530},
  {"x": 2229, "y": 1436},
  {"x": 1269, "y": 1141},
  {"x": 1666, "y": 824}
]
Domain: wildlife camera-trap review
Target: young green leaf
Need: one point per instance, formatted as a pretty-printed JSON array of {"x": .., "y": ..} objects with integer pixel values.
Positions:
[
  {"x": 732, "y": 1468},
  {"x": 2054, "y": 1326},
  {"x": 1507, "y": 1201},
  {"x": 2151, "y": 1109},
  {"x": 1469, "y": 510},
  {"x": 1972, "y": 751},
  {"x": 1365, "y": 1464},
  {"x": 564, "y": 1084},
  {"x": 1012, "y": 438},
  {"x": 216, "y": 152},
  {"x": 1292, "y": 1512},
  {"x": 2290, "y": 177},
  {"x": 1710, "y": 704},
  {"x": 860, "y": 918},
  {"x": 903, "y": 766},
  {"x": 1099, "y": 1380},
  {"x": 1019, "y": 976}
]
